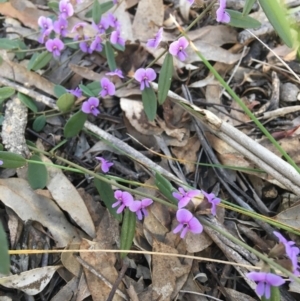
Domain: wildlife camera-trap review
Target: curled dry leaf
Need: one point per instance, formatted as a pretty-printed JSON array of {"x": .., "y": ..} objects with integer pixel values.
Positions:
[{"x": 31, "y": 282}]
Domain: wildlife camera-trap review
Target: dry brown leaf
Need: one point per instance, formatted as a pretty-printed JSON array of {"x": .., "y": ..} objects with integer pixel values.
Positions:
[
  {"x": 16, "y": 194},
  {"x": 188, "y": 153},
  {"x": 148, "y": 18},
  {"x": 290, "y": 216},
  {"x": 168, "y": 273},
  {"x": 235, "y": 295}
]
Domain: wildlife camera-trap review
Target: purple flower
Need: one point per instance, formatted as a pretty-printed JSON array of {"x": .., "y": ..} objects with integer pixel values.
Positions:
[
  {"x": 184, "y": 197},
  {"x": 190, "y": 2},
  {"x": 45, "y": 24},
  {"x": 213, "y": 200},
  {"x": 101, "y": 26},
  {"x": 265, "y": 281},
  {"x": 79, "y": 29},
  {"x": 90, "y": 106},
  {"x": 139, "y": 207},
  {"x": 55, "y": 46},
  {"x": 144, "y": 76},
  {"x": 1, "y": 162},
  {"x": 222, "y": 15},
  {"x": 96, "y": 44},
  {"x": 112, "y": 21},
  {"x": 117, "y": 72},
  {"x": 156, "y": 40},
  {"x": 287, "y": 244},
  {"x": 177, "y": 48},
  {"x": 187, "y": 222},
  {"x": 105, "y": 165},
  {"x": 76, "y": 92},
  {"x": 294, "y": 259},
  {"x": 85, "y": 46},
  {"x": 116, "y": 39},
  {"x": 108, "y": 88},
  {"x": 66, "y": 9},
  {"x": 124, "y": 199},
  {"x": 60, "y": 26},
  {"x": 115, "y": 1}
]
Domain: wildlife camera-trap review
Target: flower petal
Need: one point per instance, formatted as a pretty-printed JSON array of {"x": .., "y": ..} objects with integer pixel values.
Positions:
[
  {"x": 184, "y": 216},
  {"x": 274, "y": 280},
  {"x": 135, "y": 206},
  {"x": 195, "y": 226}
]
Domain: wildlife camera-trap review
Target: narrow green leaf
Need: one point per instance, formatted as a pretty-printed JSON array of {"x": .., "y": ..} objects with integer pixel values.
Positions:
[
  {"x": 32, "y": 60},
  {"x": 59, "y": 90},
  {"x": 6, "y": 92},
  {"x": 96, "y": 12},
  {"x": 11, "y": 160},
  {"x": 127, "y": 231},
  {"x": 238, "y": 20},
  {"x": 87, "y": 91},
  {"x": 165, "y": 187},
  {"x": 65, "y": 102},
  {"x": 248, "y": 6},
  {"x": 104, "y": 7},
  {"x": 4, "y": 256},
  {"x": 107, "y": 196},
  {"x": 40, "y": 61},
  {"x": 110, "y": 56},
  {"x": 119, "y": 47},
  {"x": 28, "y": 102},
  {"x": 149, "y": 102},
  {"x": 39, "y": 123},
  {"x": 3, "y": 1},
  {"x": 75, "y": 124},
  {"x": 165, "y": 78},
  {"x": 22, "y": 46},
  {"x": 94, "y": 87},
  {"x": 53, "y": 5},
  {"x": 6, "y": 43},
  {"x": 277, "y": 14},
  {"x": 37, "y": 173}
]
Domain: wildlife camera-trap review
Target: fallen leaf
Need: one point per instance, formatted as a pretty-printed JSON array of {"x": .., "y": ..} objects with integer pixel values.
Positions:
[{"x": 290, "y": 216}]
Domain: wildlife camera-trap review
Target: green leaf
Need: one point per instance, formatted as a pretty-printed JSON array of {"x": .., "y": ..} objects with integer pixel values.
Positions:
[
  {"x": 4, "y": 256},
  {"x": 277, "y": 15},
  {"x": 40, "y": 61},
  {"x": 6, "y": 92},
  {"x": 59, "y": 90},
  {"x": 6, "y": 43},
  {"x": 127, "y": 231},
  {"x": 22, "y": 46},
  {"x": 86, "y": 91},
  {"x": 11, "y": 160},
  {"x": 237, "y": 19},
  {"x": 248, "y": 6},
  {"x": 119, "y": 47},
  {"x": 104, "y": 7},
  {"x": 110, "y": 56},
  {"x": 32, "y": 60},
  {"x": 37, "y": 173},
  {"x": 107, "y": 196},
  {"x": 149, "y": 102},
  {"x": 39, "y": 123},
  {"x": 28, "y": 102},
  {"x": 165, "y": 187},
  {"x": 94, "y": 87},
  {"x": 96, "y": 12},
  {"x": 75, "y": 124},
  {"x": 65, "y": 102},
  {"x": 53, "y": 5},
  {"x": 165, "y": 78}
]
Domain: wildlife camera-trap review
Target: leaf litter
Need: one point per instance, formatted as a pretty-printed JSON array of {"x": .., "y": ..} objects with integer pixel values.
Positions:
[{"x": 69, "y": 211}]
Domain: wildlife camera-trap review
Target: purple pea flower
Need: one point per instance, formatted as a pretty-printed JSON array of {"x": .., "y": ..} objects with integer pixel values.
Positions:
[
  {"x": 124, "y": 199},
  {"x": 190, "y": 2},
  {"x": 90, "y": 106},
  {"x": 112, "y": 21},
  {"x": 76, "y": 92},
  {"x": 101, "y": 26},
  {"x": 117, "y": 72},
  {"x": 60, "y": 26},
  {"x": 287, "y": 244},
  {"x": 105, "y": 165},
  {"x": 96, "y": 44},
  {"x": 115, "y": 1},
  {"x": 265, "y": 281},
  {"x": 116, "y": 39},
  {"x": 294, "y": 259},
  {"x": 144, "y": 76},
  {"x": 66, "y": 9},
  {"x": 108, "y": 88},
  {"x": 55, "y": 46},
  {"x": 156, "y": 40},
  {"x": 177, "y": 48},
  {"x": 1, "y": 162},
  {"x": 79, "y": 29},
  {"x": 139, "y": 207},
  {"x": 85, "y": 46},
  {"x": 213, "y": 200},
  {"x": 184, "y": 197},
  {"x": 187, "y": 222},
  {"x": 45, "y": 24},
  {"x": 222, "y": 15}
]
